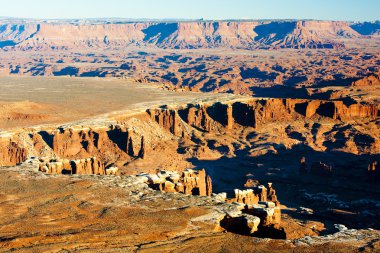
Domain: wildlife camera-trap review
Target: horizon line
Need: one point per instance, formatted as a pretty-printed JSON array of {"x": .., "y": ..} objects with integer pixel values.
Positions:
[{"x": 179, "y": 19}]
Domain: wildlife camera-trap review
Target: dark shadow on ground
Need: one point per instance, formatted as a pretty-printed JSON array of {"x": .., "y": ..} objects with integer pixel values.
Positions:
[
  {"x": 280, "y": 91},
  {"x": 340, "y": 198}
]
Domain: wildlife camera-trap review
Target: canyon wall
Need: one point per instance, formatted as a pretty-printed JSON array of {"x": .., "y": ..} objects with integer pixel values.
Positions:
[
  {"x": 256, "y": 113},
  {"x": 176, "y": 35},
  {"x": 122, "y": 143}
]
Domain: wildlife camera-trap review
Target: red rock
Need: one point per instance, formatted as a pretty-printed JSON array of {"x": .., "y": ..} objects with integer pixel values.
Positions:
[
  {"x": 11, "y": 153},
  {"x": 88, "y": 166},
  {"x": 168, "y": 119},
  {"x": 372, "y": 80},
  {"x": 208, "y": 186}
]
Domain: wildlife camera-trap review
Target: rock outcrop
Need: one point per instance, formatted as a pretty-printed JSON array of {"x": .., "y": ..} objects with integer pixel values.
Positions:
[
  {"x": 267, "y": 212},
  {"x": 256, "y": 113},
  {"x": 11, "y": 153},
  {"x": 371, "y": 80},
  {"x": 121, "y": 143},
  {"x": 261, "y": 202},
  {"x": 255, "y": 195},
  {"x": 374, "y": 170},
  {"x": 167, "y": 119},
  {"x": 263, "y": 220},
  {"x": 250, "y": 183},
  {"x": 88, "y": 166},
  {"x": 106, "y": 143},
  {"x": 252, "y": 212},
  {"x": 189, "y": 182},
  {"x": 112, "y": 171}
]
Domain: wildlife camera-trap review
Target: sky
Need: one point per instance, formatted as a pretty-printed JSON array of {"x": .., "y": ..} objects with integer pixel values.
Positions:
[{"x": 348, "y": 10}]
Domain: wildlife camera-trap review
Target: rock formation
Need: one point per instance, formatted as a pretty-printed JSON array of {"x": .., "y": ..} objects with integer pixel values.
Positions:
[
  {"x": 255, "y": 195},
  {"x": 255, "y": 210},
  {"x": 243, "y": 224},
  {"x": 190, "y": 182},
  {"x": 121, "y": 143},
  {"x": 178, "y": 35},
  {"x": 372, "y": 80},
  {"x": 374, "y": 170},
  {"x": 11, "y": 153},
  {"x": 89, "y": 166},
  {"x": 112, "y": 171},
  {"x": 106, "y": 143},
  {"x": 272, "y": 197},
  {"x": 167, "y": 119},
  {"x": 267, "y": 212},
  {"x": 251, "y": 183},
  {"x": 256, "y": 113}
]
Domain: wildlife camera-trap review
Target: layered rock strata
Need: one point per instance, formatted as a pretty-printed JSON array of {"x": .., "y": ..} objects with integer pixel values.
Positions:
[
  {"x": 256, "y": 113},
  {"x": 121, "y": 142},
  {"x": 176, "y": 35}
]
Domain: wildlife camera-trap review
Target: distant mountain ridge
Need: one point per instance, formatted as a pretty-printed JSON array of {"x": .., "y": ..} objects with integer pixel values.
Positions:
[{"x": 183, "y": 35}]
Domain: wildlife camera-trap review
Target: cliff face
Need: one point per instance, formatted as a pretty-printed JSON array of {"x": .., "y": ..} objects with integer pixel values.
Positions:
[
  {"x": 318, "y": 34},
  {"x": 210, "y": 35},
  {"x": 246, "y": 35},
  {"x": 11, "y": 34},
  {"x": 121, "y": 143},
  {"x": 57, "y": 36},
  {"x": 103, "y": 143},
  {"x": 256, "y": 113}
]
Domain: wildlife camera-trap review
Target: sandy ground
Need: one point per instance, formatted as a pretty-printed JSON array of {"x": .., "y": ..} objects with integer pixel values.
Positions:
[{"x": 29, "y": 101}]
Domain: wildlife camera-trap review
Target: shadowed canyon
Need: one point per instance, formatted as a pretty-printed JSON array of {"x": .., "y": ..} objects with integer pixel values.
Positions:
[{"x": 163, "y": 136}]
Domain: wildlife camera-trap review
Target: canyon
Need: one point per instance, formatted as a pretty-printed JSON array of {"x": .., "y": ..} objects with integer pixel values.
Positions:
[
  {"x": 149, "y": 136},
  {"x": 241, "y": 57},
  {"x": 267, "y": 136}
]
